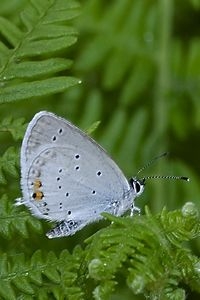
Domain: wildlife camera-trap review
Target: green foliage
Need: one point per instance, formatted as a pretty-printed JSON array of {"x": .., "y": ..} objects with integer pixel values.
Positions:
[
  {"x": 139, "y": 63},
  {"x": 33, "y": 57},
  {"x": 147, "y": 253},
  {"x": 8, "y": 163},
  {"x": 14, "y": 222},
  {"x": 42, "y": 277},
  {"x": 15, "y": 126},
  {"x": 144, "y": 251}
]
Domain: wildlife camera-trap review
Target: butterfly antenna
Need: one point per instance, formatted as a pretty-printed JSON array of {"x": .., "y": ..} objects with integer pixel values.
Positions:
[
  {"x": 166, "y": 177},
  {"x": 152, "y": 161},
  {"x": 171, "y": 177}
]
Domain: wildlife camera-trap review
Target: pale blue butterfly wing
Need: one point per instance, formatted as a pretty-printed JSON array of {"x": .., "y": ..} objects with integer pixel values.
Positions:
[{"x": 67, "y": 177}]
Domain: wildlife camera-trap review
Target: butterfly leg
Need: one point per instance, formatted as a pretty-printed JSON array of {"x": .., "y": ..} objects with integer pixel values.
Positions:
[{"x": 134, "y": 209}]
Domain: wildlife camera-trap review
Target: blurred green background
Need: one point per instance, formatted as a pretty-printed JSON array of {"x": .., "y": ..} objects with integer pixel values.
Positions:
[{"x": 139, "y": 62}]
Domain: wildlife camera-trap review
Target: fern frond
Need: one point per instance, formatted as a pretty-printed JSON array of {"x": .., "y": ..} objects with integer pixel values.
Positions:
[
  {"x": 29, "y": 66},
  {"x": 93, "y": 127},
  {"x": 38, "y": 88},
  {"x": 155, "y": 263},
  {"x": 15, "y": 126},
  {"x": 8, "y": 163},
  {"x": 13, "y": 221},
  {"x": 184, "y": 82},
  {"x": 56, "y": 275},
  {"x": 180, "y": 226},
  {"x": 141, "y": 250}
]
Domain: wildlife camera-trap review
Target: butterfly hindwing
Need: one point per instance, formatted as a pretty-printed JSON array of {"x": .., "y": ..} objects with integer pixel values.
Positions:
[{"x": 67, "y": 176}]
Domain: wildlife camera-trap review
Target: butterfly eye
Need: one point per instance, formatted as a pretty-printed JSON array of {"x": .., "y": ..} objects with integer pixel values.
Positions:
[{"x": 138, "y": 187}]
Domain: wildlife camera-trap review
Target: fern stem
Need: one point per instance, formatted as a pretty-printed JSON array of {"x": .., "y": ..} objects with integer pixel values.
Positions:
[
  {"x": 163, "y": 80},
  {"x": 161, "y": 104}
]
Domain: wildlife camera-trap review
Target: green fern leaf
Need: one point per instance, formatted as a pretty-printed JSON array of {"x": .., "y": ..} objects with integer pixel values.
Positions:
[
  {"x": 51, "y": 273},
  {"x": 13, "y": 221},
  {"x": 59, "y": 275},
  {"x": 23, "y": 285},
  {"x": 28, "y": 68},
  {"x": 15, "y": 126},
  {"x": 35, "y": 69},
  {"x": 38, "y": 88},
  {"x": 36, "y": 48},
  {"x": 8, "y": 164},
  {"x": 10, "y": 31},
  {"x": 187, "y": 228},
  {"x": 93, "y": 127},
  {"x": 6, "y": 291},
  {"x": 155, "y": 262}
]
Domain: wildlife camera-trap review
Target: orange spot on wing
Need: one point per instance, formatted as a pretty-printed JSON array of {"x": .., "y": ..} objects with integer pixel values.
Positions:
[
  {"x": 37, "y": 184},
  {"x": 37, "y": 193}
]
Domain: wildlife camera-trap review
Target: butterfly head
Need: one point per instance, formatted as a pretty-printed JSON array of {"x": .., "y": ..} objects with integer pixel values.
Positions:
[{"x": 137, "y": 185}]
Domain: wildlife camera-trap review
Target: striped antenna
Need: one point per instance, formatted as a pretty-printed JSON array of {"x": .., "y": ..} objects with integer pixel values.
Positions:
[
  {"x": 166, "y": 177},
  {"x": 160, "y": 176},
  {"x": 151, "y": 162}
]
